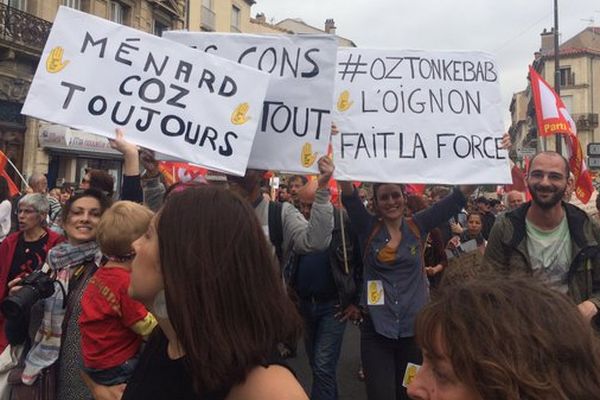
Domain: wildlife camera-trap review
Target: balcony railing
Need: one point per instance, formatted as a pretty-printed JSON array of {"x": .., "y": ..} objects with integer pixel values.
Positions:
[
  {"x": 207, "y": 19},
  {"x": 23, "y": 28}
]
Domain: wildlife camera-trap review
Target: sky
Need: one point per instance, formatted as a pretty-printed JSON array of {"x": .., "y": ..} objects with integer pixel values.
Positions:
[{"x": 508, "y": 29}]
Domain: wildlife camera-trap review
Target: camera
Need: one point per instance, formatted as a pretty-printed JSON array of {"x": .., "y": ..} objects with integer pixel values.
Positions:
[{"x": 35, "y": 286}]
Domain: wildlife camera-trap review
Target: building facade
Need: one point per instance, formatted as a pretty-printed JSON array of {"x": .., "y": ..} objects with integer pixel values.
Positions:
[
  {"x": 37, "y": 146},
  {"x": 579, "y": 66},
  {"x": 63, "y": 153}
]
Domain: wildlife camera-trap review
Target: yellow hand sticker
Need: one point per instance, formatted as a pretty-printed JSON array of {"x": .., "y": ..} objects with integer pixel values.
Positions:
[
  {"x": 240, "y": 114},
  {"x": 54, "y": 62},
  {"x": 410, "y": 374},
  {"x": 344, "y": 102},
  {"x": 413, "y": 250},
  {"x": 307, "y": 158},
  {"x": 375, "y": 293}
]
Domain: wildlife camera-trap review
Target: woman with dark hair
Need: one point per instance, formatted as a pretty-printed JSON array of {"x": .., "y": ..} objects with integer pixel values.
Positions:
[
  {"x": 505, "y": 338},
  {"x": 395, "y": 285},
  {"x": 474, "y": 230},
  {"x": 206, "y": 272},
  {"x": 55, "y": 350},
  {"x": 5, "y": 209}
]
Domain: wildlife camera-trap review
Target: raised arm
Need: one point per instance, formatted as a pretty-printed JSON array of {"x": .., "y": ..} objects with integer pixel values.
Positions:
[
  {"x": 444, "y": 209},
  {"x": 315, "y": 234},
  {"x": 132, "y": 188}
]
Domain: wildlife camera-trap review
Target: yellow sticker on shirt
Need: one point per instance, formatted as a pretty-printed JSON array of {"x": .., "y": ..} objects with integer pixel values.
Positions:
[
  {"x": 410, "y": 373},
  {"x": 375, "y": 296}
]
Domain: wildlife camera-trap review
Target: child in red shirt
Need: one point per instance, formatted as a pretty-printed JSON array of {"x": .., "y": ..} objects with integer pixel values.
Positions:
[{"x": 113, "y": 325}]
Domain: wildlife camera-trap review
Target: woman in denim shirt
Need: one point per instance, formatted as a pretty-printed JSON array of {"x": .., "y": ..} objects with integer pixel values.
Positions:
[{"x": 395, "y": 285}]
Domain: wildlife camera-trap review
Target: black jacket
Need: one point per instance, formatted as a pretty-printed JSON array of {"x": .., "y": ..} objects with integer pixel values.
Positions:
[{"x": 347, "y": 281}]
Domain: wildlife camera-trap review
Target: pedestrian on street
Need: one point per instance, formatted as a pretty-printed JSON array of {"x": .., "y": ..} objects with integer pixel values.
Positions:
[
  {"x": 282, "y": 223},
  {"x": 206, "y": 272},
  {"x": 325, "y": 283},
  {"x": 505, "y": 338},
  {"x": 550, "y": 240},
  {"x": 395, "y": 285}
]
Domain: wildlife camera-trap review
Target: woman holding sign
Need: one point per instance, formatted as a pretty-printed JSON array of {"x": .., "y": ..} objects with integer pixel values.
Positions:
[{"x": 395, "y": 285}]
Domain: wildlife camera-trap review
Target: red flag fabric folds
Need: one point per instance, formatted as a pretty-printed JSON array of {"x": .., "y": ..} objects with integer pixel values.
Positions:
[{"x": 553, "y": 118}]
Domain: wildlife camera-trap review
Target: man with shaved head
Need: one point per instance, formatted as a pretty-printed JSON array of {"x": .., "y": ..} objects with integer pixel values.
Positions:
[
  {"x": 549, "y": 239},
  {"x": 514, "y": 199}
]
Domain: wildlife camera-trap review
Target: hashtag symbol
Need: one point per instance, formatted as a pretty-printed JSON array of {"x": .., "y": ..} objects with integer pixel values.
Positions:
[{"x": 352, "y": 67}]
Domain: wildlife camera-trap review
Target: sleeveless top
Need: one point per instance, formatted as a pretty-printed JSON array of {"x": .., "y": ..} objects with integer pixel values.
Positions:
[{"x": 158, "y": 377}]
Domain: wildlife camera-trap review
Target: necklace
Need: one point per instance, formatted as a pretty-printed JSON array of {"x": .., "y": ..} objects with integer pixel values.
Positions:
[{"x": 26, "y": 242}]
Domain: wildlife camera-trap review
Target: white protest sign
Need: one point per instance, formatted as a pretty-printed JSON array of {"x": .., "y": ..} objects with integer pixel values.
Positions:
[
  {"x": 418, "y": 117},
  {"x": 96, "y": 75},
  {"x": 293, "y": 131}
]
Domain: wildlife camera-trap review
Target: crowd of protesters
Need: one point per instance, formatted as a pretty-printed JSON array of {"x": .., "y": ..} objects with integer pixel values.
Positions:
[{"x": 202, "y": 291}]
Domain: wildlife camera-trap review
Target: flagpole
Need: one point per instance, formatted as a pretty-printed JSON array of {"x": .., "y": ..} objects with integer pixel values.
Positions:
[
  {"x": 17, "y": 171},
  {"x": 557, "y": 137}
]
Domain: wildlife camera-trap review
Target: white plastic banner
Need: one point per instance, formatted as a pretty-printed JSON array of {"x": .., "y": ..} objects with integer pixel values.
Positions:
[
  {"x": 418, "y": 117},
  {"x": 96, "y": 75},
  {"x": 293, "y": 131}
]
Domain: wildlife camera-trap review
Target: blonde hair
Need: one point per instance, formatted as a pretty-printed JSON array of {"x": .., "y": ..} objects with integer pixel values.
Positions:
[{"x": 120, "y": 226}]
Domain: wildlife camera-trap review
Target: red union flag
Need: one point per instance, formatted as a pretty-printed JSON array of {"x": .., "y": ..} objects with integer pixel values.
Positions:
[
  {"x": 174, "y": 172},
  {"x": 552, "y": 115},
  {"x": 553, "y": 118},
  {"x": 12, "y": 188}
]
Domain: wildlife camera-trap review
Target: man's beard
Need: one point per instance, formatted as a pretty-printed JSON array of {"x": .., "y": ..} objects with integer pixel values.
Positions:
[{"x": 557, "y": 196}]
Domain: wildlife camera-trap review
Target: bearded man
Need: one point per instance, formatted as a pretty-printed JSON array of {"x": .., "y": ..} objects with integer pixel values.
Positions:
[{"x": 549, "y": 239}]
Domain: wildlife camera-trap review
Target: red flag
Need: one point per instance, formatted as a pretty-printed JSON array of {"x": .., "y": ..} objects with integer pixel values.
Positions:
[
  {"x": 174, "y": 172},
  {"x": 553, "y": 118},
  {"x": 518, "y": 179},
  {"x": 415, "y": 188},
  {"x": 11, "y": 185},
  {"x": 583, "y": 180},
  {"x": 552, "y": 115}
]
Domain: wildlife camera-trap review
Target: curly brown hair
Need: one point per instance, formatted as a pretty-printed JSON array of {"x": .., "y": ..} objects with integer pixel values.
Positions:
[{"x": 513, "y": 338}]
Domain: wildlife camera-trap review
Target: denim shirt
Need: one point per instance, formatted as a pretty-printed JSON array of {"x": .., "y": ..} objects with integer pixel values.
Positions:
[{"x": 404, "y": 282}]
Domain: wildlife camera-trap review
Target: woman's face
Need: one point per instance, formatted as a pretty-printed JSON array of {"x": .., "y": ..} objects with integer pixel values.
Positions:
[
  {"x": 390, "y": 201},
  {"x": 474, "y": 224},
  {"x": 29, "y": 218},
  {"x": 82, "y": 220},
  {"x": 146, "y": 277},
  {"x": 436, "y": 380},
  {"x": 85, "y": 182}
]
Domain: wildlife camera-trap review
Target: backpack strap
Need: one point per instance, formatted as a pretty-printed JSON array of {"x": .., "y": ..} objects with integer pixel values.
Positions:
[
  {"x": 276, "y": 228},
  {"x": 414, "y": 228},
  {"x": 374, "y": 232}
]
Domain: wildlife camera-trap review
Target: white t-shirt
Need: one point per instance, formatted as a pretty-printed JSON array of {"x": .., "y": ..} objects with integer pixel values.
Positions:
[{"x": 550, "y": 253}]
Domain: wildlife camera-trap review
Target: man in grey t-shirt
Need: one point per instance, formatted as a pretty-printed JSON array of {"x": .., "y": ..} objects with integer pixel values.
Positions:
[{"x": 549, "y": 239}]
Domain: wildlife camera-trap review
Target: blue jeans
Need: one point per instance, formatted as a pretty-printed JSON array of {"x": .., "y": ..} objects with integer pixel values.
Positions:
[
  {"x": 323, "y": 343},
  {"x": 115, "y": 375}
]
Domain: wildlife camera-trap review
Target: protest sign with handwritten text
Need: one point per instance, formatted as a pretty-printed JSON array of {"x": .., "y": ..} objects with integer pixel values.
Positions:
[
  {"x": 293, "y": 131},
  {"x": 96, "y": 75},
  {"x": 418, "y": 117}
]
